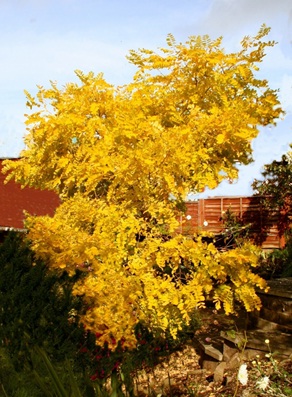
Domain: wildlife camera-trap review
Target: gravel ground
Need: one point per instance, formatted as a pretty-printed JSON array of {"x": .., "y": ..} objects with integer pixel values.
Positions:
[{"x": 182, "y": 375}]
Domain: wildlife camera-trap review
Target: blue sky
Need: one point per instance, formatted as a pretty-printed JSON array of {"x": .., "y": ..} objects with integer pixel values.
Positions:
[{"x": 43, "y": 40}]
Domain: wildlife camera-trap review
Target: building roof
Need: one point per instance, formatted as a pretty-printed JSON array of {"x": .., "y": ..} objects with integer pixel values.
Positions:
[{"x": 14, "y": 201}]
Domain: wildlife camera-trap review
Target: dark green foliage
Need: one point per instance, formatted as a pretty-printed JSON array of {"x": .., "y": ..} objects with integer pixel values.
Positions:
[
  {"x": 276, "y": 189},
  {"x": 15, "y": 383},
  {"x": 276, "y": 181},
  {"x": 46, "y": 379},
  {"x": 287, "y": 261},
  {"x": 278, "y": 263},
  {"x": 37, "y": 306}
]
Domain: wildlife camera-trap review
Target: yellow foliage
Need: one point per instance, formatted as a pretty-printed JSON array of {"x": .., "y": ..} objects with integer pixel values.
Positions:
[{"x": 123, "y": 161}]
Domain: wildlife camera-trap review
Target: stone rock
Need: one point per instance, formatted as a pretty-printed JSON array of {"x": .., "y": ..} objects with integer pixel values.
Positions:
[
  {"x": 209, "y": 365},
  {"x": 229, "y": 379},
  {"x": 228, "y": 351},
  {"x": 198, "y": 372},
  {"x": 251, "y": 354},
  {"x": 213, "y": 352},
  {"x": 235, "y": 361},
  {"x": 219, "y": 372}
]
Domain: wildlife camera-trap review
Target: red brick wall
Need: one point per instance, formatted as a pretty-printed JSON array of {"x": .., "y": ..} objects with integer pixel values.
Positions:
[{"x": 14, "y": 201}]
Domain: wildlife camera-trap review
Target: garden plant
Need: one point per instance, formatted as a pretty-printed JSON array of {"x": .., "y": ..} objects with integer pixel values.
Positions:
[{"x": 123, "y": 160}]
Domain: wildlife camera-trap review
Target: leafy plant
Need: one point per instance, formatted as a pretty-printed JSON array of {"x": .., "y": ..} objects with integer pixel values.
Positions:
[
  {"x": 275, "y": 189},
  {"x": 271, "y": 377},
  {"x": 278, "y": 262},
  {"x": 124, "y": 159},
  {"x": 38, "y": 307},
  {"x": 236, "y": 231}
]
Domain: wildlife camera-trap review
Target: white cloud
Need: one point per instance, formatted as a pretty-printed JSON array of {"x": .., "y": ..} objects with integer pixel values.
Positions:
[{"x": 239, "y": 15}]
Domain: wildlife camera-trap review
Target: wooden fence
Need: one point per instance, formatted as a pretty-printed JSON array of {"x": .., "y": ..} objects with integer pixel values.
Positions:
[{"x": 206, "y": 215}]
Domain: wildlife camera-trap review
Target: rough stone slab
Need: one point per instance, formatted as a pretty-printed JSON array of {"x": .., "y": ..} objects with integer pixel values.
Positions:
[
  {"x": 235, "y": 361},
  {"x": 219, "y": 372},
  {"x": 251, "y": 354},
  {"x": 212, "y": 352},
  {"x": 197, "y": 372},
  {"x": 276, "y": 303},
  {"x": 279, "y": 342},
  {"x": 229, "y": 349},
  {"x": 280, "y": 287},
  {"x": 282, "y": 318},
  {"x": 266, "y": 325},
  {"x": 209, "y": 365}
]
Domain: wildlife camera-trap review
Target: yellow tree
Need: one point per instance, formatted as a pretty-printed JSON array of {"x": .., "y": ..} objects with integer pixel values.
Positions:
[{"x": 123, "y": 160}]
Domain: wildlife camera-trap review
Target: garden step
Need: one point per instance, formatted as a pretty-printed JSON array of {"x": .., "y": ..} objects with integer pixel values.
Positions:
[
  {"x": 284, "y": 319},
  {"x": 278, "y": 342},
  {"x": 276, "y": 311},
  {"x": 281, "y": 287},
  {"x": 267, "y": 325},
  {"x": 277, "y": 303}
]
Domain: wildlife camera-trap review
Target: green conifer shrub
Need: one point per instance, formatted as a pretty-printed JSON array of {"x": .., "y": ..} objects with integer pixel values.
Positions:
[{"x": 37, "y": 308}]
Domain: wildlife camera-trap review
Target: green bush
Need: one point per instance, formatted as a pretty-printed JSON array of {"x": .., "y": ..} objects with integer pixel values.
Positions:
[
  {"x": 37, "y": 307},
  {"x": 277, "y": 263}
]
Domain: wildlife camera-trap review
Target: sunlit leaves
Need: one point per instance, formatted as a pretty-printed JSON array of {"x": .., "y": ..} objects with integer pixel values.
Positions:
[{"x": 124, "y": 159}]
